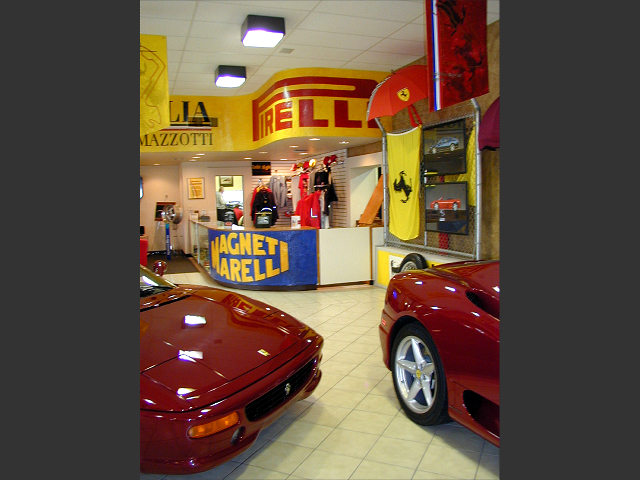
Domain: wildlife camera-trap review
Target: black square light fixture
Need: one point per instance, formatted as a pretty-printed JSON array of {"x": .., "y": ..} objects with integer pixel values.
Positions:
[
  {"x": 260, "y": 31},
  {"x": 229, "y": 76}
]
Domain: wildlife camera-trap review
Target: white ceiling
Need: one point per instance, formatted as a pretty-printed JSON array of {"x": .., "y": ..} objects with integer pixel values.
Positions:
[{"x": 381, "y": 35}]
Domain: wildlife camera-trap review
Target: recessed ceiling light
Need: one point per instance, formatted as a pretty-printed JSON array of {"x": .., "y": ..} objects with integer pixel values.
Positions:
[
  {"x": 247, "y": 158},
  {"x": 263, "y": 152},
  {"x": 193, "y": 160},
  {"x": 283, "y": 159},
  {"x": 343, "y": 142},
  {"x": 294, "y": 146},
  {"x": 156, "y": 164},
  {"x": 314, "y": 139}
]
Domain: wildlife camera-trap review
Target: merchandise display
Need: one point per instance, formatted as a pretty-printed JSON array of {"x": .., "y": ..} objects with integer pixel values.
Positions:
[
  {"x": 440, "y": 337},
  {"x": 197, "y": 408}
]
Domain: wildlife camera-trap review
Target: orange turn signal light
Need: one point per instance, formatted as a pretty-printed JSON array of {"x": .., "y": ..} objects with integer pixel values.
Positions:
[{"x": 216, "y": 426}]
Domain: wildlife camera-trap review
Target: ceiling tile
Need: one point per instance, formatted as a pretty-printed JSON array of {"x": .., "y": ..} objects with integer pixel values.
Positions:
[
  {"x": 169, "y": 9},
  {"x": 373, "y": 67},
  {"x": 223, "y": 58},
  {"x": 330, "y": 40},
  {"x": 164, "y": 26},
  {"x": 289, "y": 4},
  {"x": 412, "y": 31},
  {"x": 213, "y": 45},
  {"x": 306, "y": 51},
  {"x": 175, "y": 42},
  {"x": 341, "y": 23},
  {"x": 399, "y": 10},
  {"x": 388, "y": 58},
  {"x": 204, "y": 29},
  {"x": 288, "y": 62},
  {"x": 403, "y": 47}
]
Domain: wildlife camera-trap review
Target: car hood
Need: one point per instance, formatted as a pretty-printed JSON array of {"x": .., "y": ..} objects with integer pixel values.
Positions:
[{"x": 199, "y": 339}]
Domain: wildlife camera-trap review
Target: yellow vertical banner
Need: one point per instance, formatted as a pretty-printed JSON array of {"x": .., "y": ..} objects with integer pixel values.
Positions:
[
  {"x": 403, "y": 156},
  {"x": 154, "y": 84}
]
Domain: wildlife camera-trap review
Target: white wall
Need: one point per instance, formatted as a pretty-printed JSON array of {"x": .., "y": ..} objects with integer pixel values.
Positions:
[
  {"x": 362, "y": 178},
  {"x": 160, "y": 184}
]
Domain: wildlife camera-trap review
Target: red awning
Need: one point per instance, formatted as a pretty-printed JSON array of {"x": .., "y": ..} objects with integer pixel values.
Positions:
[{"x": 489, "y": 131}]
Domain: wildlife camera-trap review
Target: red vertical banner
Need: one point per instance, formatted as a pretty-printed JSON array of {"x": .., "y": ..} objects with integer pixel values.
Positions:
[{"x": 456, "y": 51}]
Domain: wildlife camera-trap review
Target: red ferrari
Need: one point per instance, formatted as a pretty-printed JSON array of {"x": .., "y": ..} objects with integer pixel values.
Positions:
[
  {"x": 440, "y": 337},
  {"x": 215, "y": 368},
  {"x": 445, "y": 204}
]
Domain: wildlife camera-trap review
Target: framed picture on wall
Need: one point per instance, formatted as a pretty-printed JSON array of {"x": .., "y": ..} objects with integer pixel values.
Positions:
[
  {"x": 445, "y": 148},
  {"x": 195, "y": 186},
  {"x": 447, "y": 208},
  {"x": 226, "y": 181}
]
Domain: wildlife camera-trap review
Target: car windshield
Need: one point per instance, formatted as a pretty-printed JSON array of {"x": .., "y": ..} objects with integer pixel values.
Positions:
[{"x": 152, "y": 284}]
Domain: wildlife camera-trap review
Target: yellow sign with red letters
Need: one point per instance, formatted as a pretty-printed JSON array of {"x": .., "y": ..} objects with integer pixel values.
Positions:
[{"x": 293, "y": 103}]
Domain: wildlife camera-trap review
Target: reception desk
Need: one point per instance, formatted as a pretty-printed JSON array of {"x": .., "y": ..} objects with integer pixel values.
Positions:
[{"x": 279, "y": 258}]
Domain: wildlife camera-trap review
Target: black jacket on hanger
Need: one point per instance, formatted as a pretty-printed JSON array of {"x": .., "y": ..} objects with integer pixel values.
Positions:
[{"x": 264, "y": 198}]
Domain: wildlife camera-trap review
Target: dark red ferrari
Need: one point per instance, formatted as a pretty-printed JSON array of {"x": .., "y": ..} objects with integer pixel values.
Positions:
[
  {"x": 440, "y": 336},
  {"x": 215, "y": 368}
]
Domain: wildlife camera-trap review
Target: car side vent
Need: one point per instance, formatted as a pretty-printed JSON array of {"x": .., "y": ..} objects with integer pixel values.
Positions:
[{"x": 485, "y": 302}]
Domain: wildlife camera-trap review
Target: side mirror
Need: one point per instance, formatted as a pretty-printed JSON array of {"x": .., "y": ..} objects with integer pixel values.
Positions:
[{"x": 159, "y": 267}]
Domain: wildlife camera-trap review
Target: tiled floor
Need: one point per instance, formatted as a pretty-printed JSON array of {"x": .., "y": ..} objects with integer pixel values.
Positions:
[{"x": 352, "y": 427}]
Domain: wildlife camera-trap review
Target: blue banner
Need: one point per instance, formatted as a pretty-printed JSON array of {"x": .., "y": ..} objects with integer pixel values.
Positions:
[{"x": 269, "y": 258}]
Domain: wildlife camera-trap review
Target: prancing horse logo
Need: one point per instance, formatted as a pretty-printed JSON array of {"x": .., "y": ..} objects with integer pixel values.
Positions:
[
  {"x": 402, "y": 186},
  {"x": 403, "y": 94}
]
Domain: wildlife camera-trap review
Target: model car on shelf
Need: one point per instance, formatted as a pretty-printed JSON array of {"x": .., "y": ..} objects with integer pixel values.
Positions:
[
  {"x": 445, "y": 204},
  {"x": 215, "y": 368},
  {"x": 440, "y": 337},
  {"x": 445, "y": 143}
]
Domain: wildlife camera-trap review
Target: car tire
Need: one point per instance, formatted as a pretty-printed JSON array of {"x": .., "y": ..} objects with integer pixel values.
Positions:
[
  {"x": 426, "y": 402},
  {"x": 413, "y": 261}
]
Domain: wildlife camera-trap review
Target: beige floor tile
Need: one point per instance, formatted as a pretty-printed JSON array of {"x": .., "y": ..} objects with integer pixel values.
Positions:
[
  {"x": 260, "y": 442},
  {"x": 369, "y": 470},
  {"x": 356, "y": 384},
  {"x": 374, "y": 372},
  {"x": 217, "y": 473},
  {"x": 367, "y": 422},
  {"x": 403, "y": 453},
  {"x": 345, "y": 337},
  {"x": 322, "y": 465},
  {"x": 456, "y": 436},
  {"x": 250, "y": 472},
  {"x": 404, "y": 429},
  {"x": 348, "y": 442},
  {"x": 422, "y": 475},
  {"x": 489, "y": 468},
  {"x": 342, "y": 398},
  {"x": 280, "y": 457},
  {"x": 379, "y": 404},
  {"x": 350, "y": 358},
  {"x": 449, "y": 461},
  {"x": 324, "y": 414},
  {"x": 490, "y": 449},
  {"x": 335, "y": 366},
  {"x": 384, "y": 387},
  {"x": 304, "y": 434}
]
